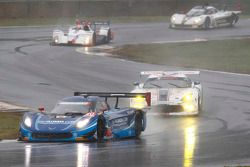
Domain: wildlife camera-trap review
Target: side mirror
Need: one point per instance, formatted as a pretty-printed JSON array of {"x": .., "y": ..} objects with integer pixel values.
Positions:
[
  {"x": 41, "y": 109},
  {"x": 136, "y": 83}
]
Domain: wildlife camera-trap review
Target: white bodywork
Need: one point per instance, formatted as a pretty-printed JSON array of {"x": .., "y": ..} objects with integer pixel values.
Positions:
[
  {"x": 80, "y": 35},
  {"x": 204, "y": 18},
  {"x": 174, "y": 97}
]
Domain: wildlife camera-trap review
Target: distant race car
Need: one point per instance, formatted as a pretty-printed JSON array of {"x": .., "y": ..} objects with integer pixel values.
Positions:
[
  {"x": 84, "y": 33},
  {"x": 204, "y": 17},
  {"x": 87, "y": 116},
  {"x": 173, "y": 90}
]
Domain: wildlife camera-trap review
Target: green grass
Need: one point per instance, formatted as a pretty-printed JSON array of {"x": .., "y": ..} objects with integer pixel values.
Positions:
[
  {"x": 222, "y": 55},
  {"x": 9, "y": 124},
  {"x": 63, "y": 21}
]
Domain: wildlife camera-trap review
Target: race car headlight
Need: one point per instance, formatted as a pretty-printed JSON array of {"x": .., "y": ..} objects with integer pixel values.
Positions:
[
  {"x": 187, "y": 98},
  {"x": 27, "y": 122},
  {"x": 80, "y": 124},
  {"x": 188, "y": 107},
  {"x": 173, "y": 19},
  {"x": 87, "y": 41},
  {"x": 138, "y": 102},
  {"x": 197, "y": 20},
  {"x": 56, "y": 40}
]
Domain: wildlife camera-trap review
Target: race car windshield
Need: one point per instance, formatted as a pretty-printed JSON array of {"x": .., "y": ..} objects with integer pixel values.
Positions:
[
  {"x": 164, "y": 83},
  {"x": 71, "y": 107},
  {"x": 196, "y": 12}
]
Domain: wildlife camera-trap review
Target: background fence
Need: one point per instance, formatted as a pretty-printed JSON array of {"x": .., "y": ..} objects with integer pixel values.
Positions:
[{"x": 72, "y": 8}]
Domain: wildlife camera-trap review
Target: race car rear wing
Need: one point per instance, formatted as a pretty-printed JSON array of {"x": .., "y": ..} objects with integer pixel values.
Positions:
[
  {"x": 153, "y": 74},
  {"x": 101, "y": 23},
  {"x": 170, "y": 73},
  {"x": 116, "y": 95}
]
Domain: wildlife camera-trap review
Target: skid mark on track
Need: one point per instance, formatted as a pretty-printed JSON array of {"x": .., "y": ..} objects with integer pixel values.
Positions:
[
  {"x": 42, "y": 38},
  {"x": 19, "y": 49}
]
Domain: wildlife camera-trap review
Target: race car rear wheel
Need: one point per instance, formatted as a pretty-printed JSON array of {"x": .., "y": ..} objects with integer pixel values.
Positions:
[
  {"x": 207, "y": 23},
  {"x": 100, "y": 128},
  {"x": 233, "y": 19},
  {"x": 138, "y": 124},
  {"x": 109, "y": 36}
]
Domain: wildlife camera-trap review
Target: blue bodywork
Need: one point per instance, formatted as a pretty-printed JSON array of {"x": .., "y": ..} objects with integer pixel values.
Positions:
[{"x": 62, "y": 127}]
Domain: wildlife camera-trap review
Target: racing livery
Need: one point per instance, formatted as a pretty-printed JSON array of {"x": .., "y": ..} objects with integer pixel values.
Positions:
[
  {"x": 84, "y": 33},
  {"x": 173, "y": 90},
  {"x": 87, "y": 116},
  {"x": 204, "y": 17}
]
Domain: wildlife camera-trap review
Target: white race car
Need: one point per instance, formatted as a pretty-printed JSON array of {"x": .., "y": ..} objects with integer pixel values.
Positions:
[
  {"x": 173, "y": 89},
  {"x": 84, "y": 33},
  {"x": 204, "y": 17}
]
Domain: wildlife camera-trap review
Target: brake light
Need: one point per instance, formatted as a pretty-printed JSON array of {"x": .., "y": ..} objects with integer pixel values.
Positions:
[{"x": 41, "y": 109}]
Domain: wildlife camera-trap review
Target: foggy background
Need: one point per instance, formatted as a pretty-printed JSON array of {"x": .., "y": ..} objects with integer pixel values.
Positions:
[{"x": 107, "y": 8}]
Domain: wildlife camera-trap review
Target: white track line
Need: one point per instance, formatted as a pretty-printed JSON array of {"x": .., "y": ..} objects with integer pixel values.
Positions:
[
  {"x": 8, "y": 141},
  {"x": 228, "y": 73},
  {"x": 181, "y": 41}
]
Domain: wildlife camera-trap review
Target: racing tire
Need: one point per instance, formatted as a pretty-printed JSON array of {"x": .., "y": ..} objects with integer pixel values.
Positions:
[
  {"x": 138, "y": 124},
  {"x": 93, "y": 40},
  {"x": 108, "y": 39},
  {"x": 19, "y": 136},
  {"x": 236, "y": 19},
  {"x": 100, "y": 128},
  {"x": 199, "y": 105},
  {"x": 233, "y": 19},
  {"x": 52, "y": 44},
  {"x": 207, "y": 23}
]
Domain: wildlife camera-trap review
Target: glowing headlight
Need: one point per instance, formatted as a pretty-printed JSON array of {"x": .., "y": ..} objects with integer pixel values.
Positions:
[
  {"x": 56, "y": 40},
  {"x": 27, "y": 121},
  {"x": 87, "y": 41},
  {"x": 173, "y": 19},
  {"x": 197, "y": 20},
  {"x": 188, "y": 98},
  {"x": 80, "y": 124},
  {"x": 138, "y": 102},
  {"x": 188, "y": 107}
]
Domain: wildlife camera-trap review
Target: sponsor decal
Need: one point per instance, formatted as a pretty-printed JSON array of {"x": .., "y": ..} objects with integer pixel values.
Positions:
[
  {"x": 56, "y": 122},
  {"x": 91, "y": 114}
]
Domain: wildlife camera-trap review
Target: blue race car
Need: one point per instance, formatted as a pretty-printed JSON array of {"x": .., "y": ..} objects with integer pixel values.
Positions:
[{"x": 87, "y": 116}]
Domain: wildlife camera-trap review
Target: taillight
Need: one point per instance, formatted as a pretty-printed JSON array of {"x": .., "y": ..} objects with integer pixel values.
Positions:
[{"x": 41, "y": 109}]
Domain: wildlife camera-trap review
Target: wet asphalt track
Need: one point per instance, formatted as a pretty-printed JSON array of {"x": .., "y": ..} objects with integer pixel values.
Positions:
[{"x": 33, "y": 73}]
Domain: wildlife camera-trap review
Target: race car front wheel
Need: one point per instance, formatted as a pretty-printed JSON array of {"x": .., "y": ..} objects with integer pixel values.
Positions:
[
  {"x": 93, "y": 40},
  {"x": 20, "y": 136},
  {"x": 138, "y": 124},
  {"x": 100, "y": 128},
  {"x": 199, "y": 105},
  {"x": 207, "y": 23}
]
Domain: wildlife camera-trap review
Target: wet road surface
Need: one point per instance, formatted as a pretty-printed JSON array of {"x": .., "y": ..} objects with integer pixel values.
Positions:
[{"x": 34, "y": 73}]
